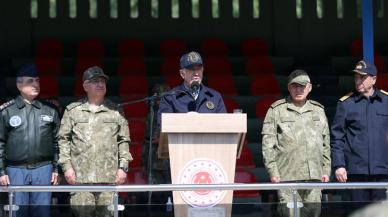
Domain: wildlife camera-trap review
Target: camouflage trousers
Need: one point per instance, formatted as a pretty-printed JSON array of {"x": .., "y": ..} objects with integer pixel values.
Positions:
[
  {"x": 89, "y": 204},
  {"x": 311, "y": 200}
]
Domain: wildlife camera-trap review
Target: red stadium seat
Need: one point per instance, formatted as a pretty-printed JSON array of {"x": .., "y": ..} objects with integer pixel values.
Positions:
[
  {"x": 133, "y": 86},
  {"x": 170, "y": 66},
  {"x": 259, "y": 65},
  {"x": 246, "y": 159},
  {"x": 131, "y": 66},
  {"x": 254, "y": 47},
  {"x": 217, "y": 66},
  {"x": 382, "y": 81},
  {"x": 136, "y": 162},
  {"x": 263, "y": 105},
  {"x": 172, "y": 48},
  {"x": 174, "y": 80},
  {"x": 265, "y": 86},
  {"x": 214, "y": 47},
  {"x": 49, "y": 87},
  {"x": 131, "y": 48},
  {"x": 243, "y": 176},
  {"x": 136, "y": 126},
  {"x": 136, "y": 111},
  {"x": 356, "y": 48},
  {"x": 84, "y": 63},
  {"x": 223, "y": 84},
  {"x": 92, "y": 48},
  {"x": 48, "y": 66},
  {"x": 136, "y": 177},
  {"x": 135, "y": 150},
  {"x": 230, "y": 105},
  {"x": 51, "y": 48},
  {"x": 78, "y": 88},
  {"x": 380, "y": 64}
]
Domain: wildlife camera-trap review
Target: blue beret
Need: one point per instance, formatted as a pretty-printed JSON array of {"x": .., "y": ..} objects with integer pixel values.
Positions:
[{"x": 28, "y": 70}]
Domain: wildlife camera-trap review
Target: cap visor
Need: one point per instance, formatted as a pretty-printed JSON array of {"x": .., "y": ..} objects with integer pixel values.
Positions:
[
  {"x": 193, "y": 65},
  {"x": 304, "y": 83},
  {"x": 97, "y": 76},
  {"x": 360, "y": 72}
]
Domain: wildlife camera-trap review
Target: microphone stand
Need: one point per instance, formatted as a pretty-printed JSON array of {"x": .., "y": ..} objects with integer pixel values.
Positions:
[{"x": 151, "y": 101}]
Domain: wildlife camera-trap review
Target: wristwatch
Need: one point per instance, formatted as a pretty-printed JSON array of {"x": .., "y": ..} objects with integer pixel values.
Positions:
[{"x": 125, "y": 169}]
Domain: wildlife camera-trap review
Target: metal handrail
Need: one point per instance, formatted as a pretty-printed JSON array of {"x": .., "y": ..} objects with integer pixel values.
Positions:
[{"x": 188, "y": 187}]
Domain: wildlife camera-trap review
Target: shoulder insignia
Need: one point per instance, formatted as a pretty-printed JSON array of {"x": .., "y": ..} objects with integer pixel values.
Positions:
[
  {"x": 316, "y": 103},
  {"x": 345, "y": 97},
  {"x": 74, "y": 105},
  {"x": 384, "y": 92},
  {"x": 279, "y": 102},
  {"x": 6, "y": 104}
]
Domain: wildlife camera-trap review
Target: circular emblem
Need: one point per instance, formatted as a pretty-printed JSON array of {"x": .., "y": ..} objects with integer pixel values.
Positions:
[
  {"x": 15, "y": 121},
  {"x": 210, "y": 105},
  {"x": 193, "y": 57},
  {"x": 202, "y": 171}
]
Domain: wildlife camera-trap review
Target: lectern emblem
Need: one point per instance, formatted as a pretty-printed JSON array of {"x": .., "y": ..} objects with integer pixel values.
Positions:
[{"x": 202, "y": 171}]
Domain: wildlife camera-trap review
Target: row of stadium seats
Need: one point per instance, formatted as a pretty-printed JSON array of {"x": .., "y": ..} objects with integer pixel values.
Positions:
[
  {"x": 215, "y": 66},
  {"x": 138, "y": 86},
  {"x": 94, "y": 48}
]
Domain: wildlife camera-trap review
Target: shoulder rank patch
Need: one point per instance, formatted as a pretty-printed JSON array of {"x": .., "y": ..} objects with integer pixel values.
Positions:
[
  {"x": 74, "y": 105},
  {"x": 6, "y": 104},
  {"x": 316, "y": 103},
  {"x": 345, "y": 97},
  {"x": 279, "y": 102},
  {"x": 384, "y": 92}
]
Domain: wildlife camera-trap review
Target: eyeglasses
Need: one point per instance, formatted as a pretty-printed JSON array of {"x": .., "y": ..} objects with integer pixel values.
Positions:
[{"x": 97, "y": 81}]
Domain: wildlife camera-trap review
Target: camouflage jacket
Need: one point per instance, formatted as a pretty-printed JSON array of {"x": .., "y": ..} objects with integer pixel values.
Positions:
[
  {"x": 296, "y": 141},
  {"x": 94, "y": 144}
]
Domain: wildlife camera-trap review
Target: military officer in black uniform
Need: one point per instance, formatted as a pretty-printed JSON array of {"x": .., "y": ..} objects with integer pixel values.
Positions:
[{"x": 359, "y": 144}]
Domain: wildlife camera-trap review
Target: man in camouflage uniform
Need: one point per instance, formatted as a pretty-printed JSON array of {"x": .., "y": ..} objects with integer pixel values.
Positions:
[
  {"x": 296, "y": 144},
  {"x": 94, "y": 145}
]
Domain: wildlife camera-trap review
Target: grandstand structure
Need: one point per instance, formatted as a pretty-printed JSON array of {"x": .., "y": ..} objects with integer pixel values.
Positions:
[{"x": 249, "y": 47}]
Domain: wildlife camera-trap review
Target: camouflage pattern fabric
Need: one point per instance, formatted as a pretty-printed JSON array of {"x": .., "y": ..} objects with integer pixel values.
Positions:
[
  {"x": 94, "y": 143},
  {"x": 296, "y": 141},
  {"x": 311, "y": 200},
  {"x": 88, "y": 204}
]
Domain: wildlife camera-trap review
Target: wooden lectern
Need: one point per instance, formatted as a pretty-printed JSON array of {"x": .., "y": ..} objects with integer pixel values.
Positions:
[{"x": 202, "y": 148}]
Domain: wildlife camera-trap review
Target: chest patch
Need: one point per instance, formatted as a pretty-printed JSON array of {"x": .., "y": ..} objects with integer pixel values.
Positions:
[
  {"x": 15, "y": 121},
  {"x": 46, "y": 118},
  {"x": 210, "y": 105}
]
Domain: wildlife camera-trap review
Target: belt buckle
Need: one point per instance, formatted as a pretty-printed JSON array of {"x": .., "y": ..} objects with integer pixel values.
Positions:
[{"x": 30, "y": 166}]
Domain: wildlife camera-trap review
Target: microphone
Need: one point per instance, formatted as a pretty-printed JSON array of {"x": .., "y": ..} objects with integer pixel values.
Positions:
[{"x": 194, "y": 87}]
